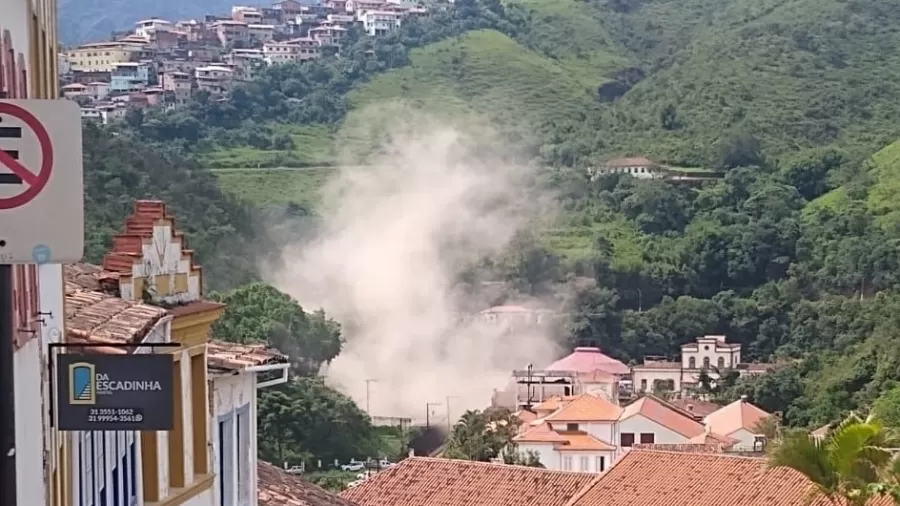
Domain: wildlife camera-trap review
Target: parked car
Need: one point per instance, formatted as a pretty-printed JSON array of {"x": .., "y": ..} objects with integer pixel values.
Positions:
[
  {"x": 354, "y": 483},
  {"x": 353, "y": 465},
  {"x": 294, "y": 470}
]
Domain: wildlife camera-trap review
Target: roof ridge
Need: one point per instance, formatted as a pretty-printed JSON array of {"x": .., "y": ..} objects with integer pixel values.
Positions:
[
  {"x": 705, "y": 455},
  {"x": 483, "y": 464}
]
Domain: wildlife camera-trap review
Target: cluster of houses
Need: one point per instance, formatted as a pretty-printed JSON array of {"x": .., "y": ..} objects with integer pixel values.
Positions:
[{"x": 163, "y": 63}]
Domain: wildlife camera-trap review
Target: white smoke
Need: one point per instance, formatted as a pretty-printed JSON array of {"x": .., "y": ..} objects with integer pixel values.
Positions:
[{"x": 395, "y": 237}]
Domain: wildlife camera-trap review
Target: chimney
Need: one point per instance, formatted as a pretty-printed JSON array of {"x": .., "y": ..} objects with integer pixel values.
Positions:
[{"x": 412, "y": 452}]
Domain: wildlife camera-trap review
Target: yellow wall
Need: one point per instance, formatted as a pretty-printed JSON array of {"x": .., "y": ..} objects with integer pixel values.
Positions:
[{"x": 100, "y": 57}]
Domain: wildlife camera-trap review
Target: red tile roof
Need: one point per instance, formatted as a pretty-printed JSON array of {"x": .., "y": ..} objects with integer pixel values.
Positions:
[
  {"x": 236, "y": 356},
  {"x": 420, "y": 481},
  {"x": 657, "y": 478},
  {"x": 576, "y": 441},
  {"x": 278, "y": 488},
  {"x": 738, "y": 415},
  {"x": 542, "y": 433},
  {"x": 586, "y": 408},
  {"x": 587, "y": 360},
  {"x": 95, "y": 317},
  {"x": 696, "y": 407},
  {"x": 664, "y": 414},
  {"x": 127, "y": 246}
]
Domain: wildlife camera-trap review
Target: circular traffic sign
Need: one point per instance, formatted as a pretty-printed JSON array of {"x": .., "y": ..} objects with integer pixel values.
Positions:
[{"x": 32, "y": 182}]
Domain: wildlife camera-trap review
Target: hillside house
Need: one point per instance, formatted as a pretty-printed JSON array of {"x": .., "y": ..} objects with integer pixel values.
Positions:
[
  {"x": 639, "y": 167},
  {"x": 709, "y": 354},
  {"x": 740, "y": 421}
]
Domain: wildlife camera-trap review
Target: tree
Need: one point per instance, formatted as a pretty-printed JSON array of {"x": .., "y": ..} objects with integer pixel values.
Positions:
[
  {"x": 483, "y": 436},
  {"x": 305, "y": 420},
  {"x": 848, "y": 465},
  {"x": 261, "y": 313}
]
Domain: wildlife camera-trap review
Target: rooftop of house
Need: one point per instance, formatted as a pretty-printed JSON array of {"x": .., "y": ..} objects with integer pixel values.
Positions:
[
  {"x": 635, "y": 161},
  {"x": 665, "y": 414},
  {"x": 659, "y": 478},
  {"x": 278, "y": 488},
  {"x": 581, "y": 441},
  {"x": 587, "y": 359},
  {"x": 696, "y": 407},
  {"x": 237, "y": 357},
  {"x": 738, "y": 415},
  {"x": 540, "y": 433},
  {"x": 586, "y": 408},
  {"x": 97, "y": 317},
  {"x": 421, "y": 481}
]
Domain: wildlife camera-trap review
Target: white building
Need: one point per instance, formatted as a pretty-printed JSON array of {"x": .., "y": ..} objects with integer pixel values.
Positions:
[
  {"x": 740, "y": 421},
  {"x": 638, "y": 167},
  {"x": 145, "y": 28},
  {"x": 378, "y": 23},
  {"x": 237, "y": 372},
  {"x": 709, "y": 354},
  {"x": 588, "y": 434},
  {"x": 294, "y": 50}
]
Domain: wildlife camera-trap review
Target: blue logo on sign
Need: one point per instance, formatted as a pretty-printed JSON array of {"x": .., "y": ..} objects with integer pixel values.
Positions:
[
  {"x": 40, "y": 254},
  {"x": 82, "y": 383}
]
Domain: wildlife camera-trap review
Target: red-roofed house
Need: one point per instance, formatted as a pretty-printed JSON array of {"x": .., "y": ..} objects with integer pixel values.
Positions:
[
  {"x": 586, "y": 360},
  {"x": 739, "y": 420}
]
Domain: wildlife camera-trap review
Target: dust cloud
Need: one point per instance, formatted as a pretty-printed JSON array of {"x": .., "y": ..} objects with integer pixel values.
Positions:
[{"x": 386, "y": 263}]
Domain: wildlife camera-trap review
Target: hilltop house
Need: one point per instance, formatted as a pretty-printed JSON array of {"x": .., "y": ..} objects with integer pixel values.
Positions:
[{"x": 711, "y": 355}]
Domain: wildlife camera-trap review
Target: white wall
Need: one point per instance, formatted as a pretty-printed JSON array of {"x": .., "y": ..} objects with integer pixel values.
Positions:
[
  {"x": 651, "y": 375},
  {"x": 234, "y": 396},
  {"x": 589, "y": 466},
  {"x": 548, "y": 456},
  {"x": 745, "y": 439},
  {"x": 102, "y": 459},
  {"x": 30, "y": 480},
  {"x": 639, "y": 424}
]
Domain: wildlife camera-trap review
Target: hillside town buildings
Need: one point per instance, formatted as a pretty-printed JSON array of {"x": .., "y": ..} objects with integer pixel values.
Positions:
[{"x": 163, "y": 63}]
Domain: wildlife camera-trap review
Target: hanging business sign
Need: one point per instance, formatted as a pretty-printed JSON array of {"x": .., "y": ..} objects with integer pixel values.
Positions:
[{"x": 115, "y": 392}]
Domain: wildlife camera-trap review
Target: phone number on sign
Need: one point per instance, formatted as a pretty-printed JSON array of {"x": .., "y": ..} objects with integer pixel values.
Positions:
[{"x": 114, "y": 415}]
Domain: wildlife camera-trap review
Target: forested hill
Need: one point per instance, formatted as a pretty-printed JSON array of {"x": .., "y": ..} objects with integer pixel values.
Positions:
[{"x": 794, "y": 254}]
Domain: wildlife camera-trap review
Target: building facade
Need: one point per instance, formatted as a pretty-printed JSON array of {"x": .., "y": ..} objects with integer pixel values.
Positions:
[{"x": 28, "y": 69}]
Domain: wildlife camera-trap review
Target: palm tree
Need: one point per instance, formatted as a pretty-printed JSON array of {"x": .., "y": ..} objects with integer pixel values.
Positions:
[{"x": 848, "y": 466}]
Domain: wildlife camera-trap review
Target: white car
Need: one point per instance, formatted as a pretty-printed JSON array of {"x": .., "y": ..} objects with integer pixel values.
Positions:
[
  {"x": 294, "y": 470},
  {"x": 354, "y": 483},
  {"x": 354, "y": 465}
]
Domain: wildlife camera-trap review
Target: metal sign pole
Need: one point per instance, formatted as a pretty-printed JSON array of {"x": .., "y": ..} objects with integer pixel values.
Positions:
[{"x": 7, "y": 391}]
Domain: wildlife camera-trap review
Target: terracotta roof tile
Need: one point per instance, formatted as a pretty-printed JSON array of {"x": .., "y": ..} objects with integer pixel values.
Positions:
[
  {"x": 278, "y": 488},
  {"x": 587, "y": 408},
  {"x": 664, "y": 414},
  {"x": 541, "y": 433},
  {"x": 582, "y": 441},
  {"x": 695, "y": 406},
  {"x": 236, "y": 357},
  {"x": 525, "y": 417},
  {"x": 553, "y": 403},
  {"x": 101, "y": 318},
  {"x": 657, "y": 478},
  {"x": 681, "y": 447},
  {"x": 738, "y": 415},
  {"x": 419, "y": 481}
]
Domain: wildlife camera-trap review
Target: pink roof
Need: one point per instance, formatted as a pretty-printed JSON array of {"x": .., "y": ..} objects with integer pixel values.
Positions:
[{"x": 586, "y": 360}]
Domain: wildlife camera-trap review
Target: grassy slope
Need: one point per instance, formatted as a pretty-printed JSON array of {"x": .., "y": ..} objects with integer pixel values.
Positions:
[
  {"x": 793, "y": 72},
  {"x": 483, "y": 72},
  {"x": 262, "y": 186}
]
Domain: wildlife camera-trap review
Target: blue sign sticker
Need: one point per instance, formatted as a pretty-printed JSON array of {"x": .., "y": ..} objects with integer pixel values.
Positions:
[{"x": 41, "y": 254}]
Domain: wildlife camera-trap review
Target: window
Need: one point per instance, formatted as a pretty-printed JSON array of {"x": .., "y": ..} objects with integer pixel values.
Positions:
[
  {"x": 627, "y": 439},
  {"x": 571, "y": 427},
  {"x": 692, "y": 363},
  {"x": 643, "y": 385},
  {"x": 706, "y": 362},
  {"x": 567, "y": 463},
  {"x": 721, "y": 363},
  {"x": 599, "y": 464},
  {"x": 585, "y": 463},
  {"x": 132, "y": 469},
  {"x": 221, "y": 463},
  {"x": 647, "y": 439},
  {"x": 227, "y": 478}
]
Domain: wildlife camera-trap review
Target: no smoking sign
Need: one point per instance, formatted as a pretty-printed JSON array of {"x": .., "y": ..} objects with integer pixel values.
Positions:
[{"x": 41, "y": 182}]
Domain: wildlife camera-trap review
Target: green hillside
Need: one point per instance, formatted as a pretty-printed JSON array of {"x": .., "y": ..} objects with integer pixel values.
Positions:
[
  {"x": 486, "y": 73},
  {"x": 792, "y": 73}
]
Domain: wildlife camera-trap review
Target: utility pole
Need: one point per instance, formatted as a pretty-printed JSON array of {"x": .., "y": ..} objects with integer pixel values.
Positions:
[
  {"x": 449, "y": 420},
  {"x": 368, "y": 382},
  {"x": 428, "y": 406},
  {"x": 7, "y": 391}
]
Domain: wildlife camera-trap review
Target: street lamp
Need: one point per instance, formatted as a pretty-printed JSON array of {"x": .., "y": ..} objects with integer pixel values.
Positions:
[
  {"x": 368, "y": 382},
  {"x": 428, "y": 406}
]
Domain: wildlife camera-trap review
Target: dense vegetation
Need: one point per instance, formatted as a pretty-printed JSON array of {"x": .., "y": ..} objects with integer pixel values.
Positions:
[{"x": 794, "y": 254}]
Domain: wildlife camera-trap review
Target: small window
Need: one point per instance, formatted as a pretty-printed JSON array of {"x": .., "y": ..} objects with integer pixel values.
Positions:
[
  {"x": 648, "y": 439},
  {"x": 721, "y": 364},
  {"x": 567, "y": 463},
  {"x": 643, "y": 385},
  {"x": 692, "y": 363},
  {"x": 600, "y": 464},
  {"x": 627, "y": 439},
  {"x": 706, "y": 362},
  {"x": 585, "y": 463},
  {"x": 571, "y": 427}
]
